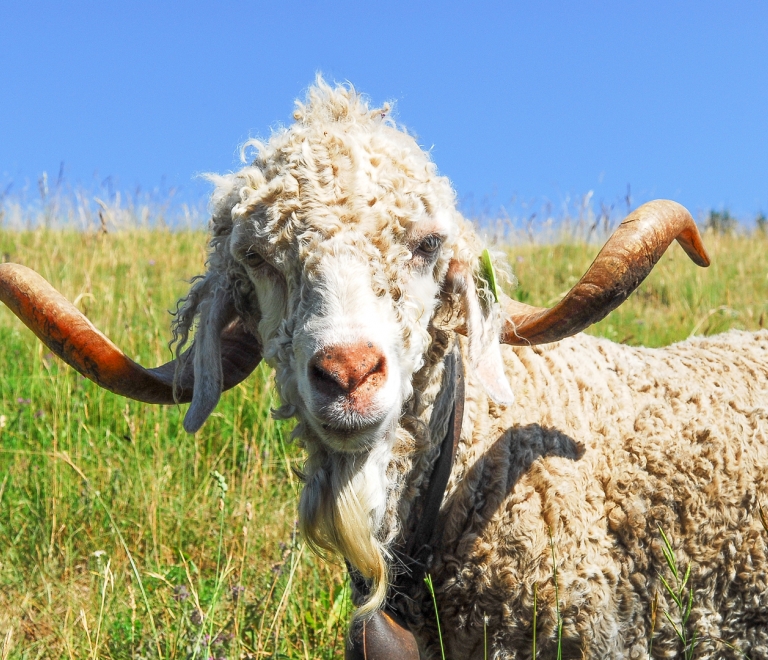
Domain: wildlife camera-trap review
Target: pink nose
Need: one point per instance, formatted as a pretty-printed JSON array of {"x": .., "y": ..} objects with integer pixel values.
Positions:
[{"x": 352, "y": 369}]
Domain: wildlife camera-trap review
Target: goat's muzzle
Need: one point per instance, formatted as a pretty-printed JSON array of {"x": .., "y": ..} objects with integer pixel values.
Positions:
[{"x": 350, "y": 375}]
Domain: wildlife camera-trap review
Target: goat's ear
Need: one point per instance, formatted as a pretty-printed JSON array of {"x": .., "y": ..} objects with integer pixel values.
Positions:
[
  {"x": 482, "y": 329},
  {"x": 215, "y": 312}
]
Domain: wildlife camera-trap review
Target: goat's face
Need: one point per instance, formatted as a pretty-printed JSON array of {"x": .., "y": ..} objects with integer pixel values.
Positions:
[
  {"x": 345, "y": 297},
  {"x": 345, "y": 238},
  {"x": 340, "y": 241}
]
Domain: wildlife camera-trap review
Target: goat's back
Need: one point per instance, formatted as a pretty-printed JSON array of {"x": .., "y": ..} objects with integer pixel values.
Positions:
[{"x": 605, "y": 444}]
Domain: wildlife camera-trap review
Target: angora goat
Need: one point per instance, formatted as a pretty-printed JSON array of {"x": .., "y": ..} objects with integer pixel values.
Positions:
[{"x": 338, "y": 256}]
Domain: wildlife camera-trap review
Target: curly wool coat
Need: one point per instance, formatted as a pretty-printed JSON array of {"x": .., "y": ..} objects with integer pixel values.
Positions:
[{"x": 604, "y": 445}]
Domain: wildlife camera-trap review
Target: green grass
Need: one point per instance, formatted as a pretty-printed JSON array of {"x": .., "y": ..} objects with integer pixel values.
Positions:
[
  {"x": 676, "y": 300},
  {"x": 681, "y": 593},
  {"x": 88, "y": 478},
  {"x": 116, "y": 541}
]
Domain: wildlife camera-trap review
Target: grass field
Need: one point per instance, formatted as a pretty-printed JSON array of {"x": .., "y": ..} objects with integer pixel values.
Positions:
[{"x": 115, "y": 539}]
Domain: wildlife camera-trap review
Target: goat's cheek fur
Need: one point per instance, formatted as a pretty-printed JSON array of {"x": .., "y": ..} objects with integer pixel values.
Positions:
[
  {"x": 271, "y": 294},
  {"x": 276, "y": 333},
  {"x": 419, "y": 304}
]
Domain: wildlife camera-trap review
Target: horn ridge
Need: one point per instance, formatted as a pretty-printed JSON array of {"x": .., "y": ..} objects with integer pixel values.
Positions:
[{"x": 625, "y": 261}]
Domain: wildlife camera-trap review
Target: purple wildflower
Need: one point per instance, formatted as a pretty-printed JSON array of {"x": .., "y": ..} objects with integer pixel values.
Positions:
[{"x": 180, "y": 593}]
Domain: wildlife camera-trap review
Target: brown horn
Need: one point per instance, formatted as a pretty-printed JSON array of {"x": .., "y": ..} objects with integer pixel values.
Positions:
[
  {"x": 625, "y": 261},
  {"x": 69, "y": 334}
]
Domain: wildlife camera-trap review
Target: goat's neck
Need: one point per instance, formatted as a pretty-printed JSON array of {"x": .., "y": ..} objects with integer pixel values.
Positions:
[{"x": 419, "y": 435}]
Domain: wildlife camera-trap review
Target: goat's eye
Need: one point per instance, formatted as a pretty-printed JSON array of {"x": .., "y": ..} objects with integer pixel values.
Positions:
[
  {"x": 253, "y": 259},
  {"x": 429, "y": 247}
]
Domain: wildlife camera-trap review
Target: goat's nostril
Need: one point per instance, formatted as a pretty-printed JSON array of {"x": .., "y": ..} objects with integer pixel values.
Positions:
[
  {"x": 347, "y": 369},
  {"x": 320, "y": 374}
]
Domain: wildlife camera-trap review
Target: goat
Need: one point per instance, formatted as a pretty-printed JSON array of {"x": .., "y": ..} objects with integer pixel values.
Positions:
[{"x": 338, "y": 256}]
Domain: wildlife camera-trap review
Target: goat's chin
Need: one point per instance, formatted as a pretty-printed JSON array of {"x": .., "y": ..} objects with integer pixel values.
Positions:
[
  {"x": 349, "y": 439},
  {"x": 349, "y": 432}
]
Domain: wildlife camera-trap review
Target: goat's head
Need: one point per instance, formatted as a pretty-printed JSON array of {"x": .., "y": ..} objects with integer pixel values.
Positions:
[
  {"x": 335, "y": 255},
  {"x": 342, "y": 242}
]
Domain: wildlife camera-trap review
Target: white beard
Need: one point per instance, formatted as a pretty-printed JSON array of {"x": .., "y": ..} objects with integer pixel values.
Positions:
[{"x": 342, "y": 508}]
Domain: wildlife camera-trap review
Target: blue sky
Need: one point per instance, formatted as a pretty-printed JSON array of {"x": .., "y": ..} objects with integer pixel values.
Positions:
[{"x": 519, "y": 102}]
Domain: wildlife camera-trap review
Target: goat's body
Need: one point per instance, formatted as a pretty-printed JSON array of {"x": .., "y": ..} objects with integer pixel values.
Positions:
[{"x": 604, "y": 444}]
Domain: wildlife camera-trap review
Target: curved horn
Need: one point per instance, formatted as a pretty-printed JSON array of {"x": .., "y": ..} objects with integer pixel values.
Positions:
[
  {"x": 625, "y": 261},
  {"x": 69, "y": 334}
]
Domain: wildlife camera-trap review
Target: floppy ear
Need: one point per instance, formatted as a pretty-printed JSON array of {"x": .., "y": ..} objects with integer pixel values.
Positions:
[
  {"x": 482, "y": 329},
  {"x": 216, "y": 312}
]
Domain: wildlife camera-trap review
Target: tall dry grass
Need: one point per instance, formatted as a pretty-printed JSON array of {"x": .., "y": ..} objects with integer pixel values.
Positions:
[
  {"x": 118, "y": 537},
  {"x": 90, "y": 482}
]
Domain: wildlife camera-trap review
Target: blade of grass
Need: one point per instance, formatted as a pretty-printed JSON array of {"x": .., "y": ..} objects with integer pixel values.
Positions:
[
  {"x": 7, "y": 642},
  {"x": 535, "y": 616},
  {"x": 431, "y": 588},
  {"x": 557, "y": 599}
]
